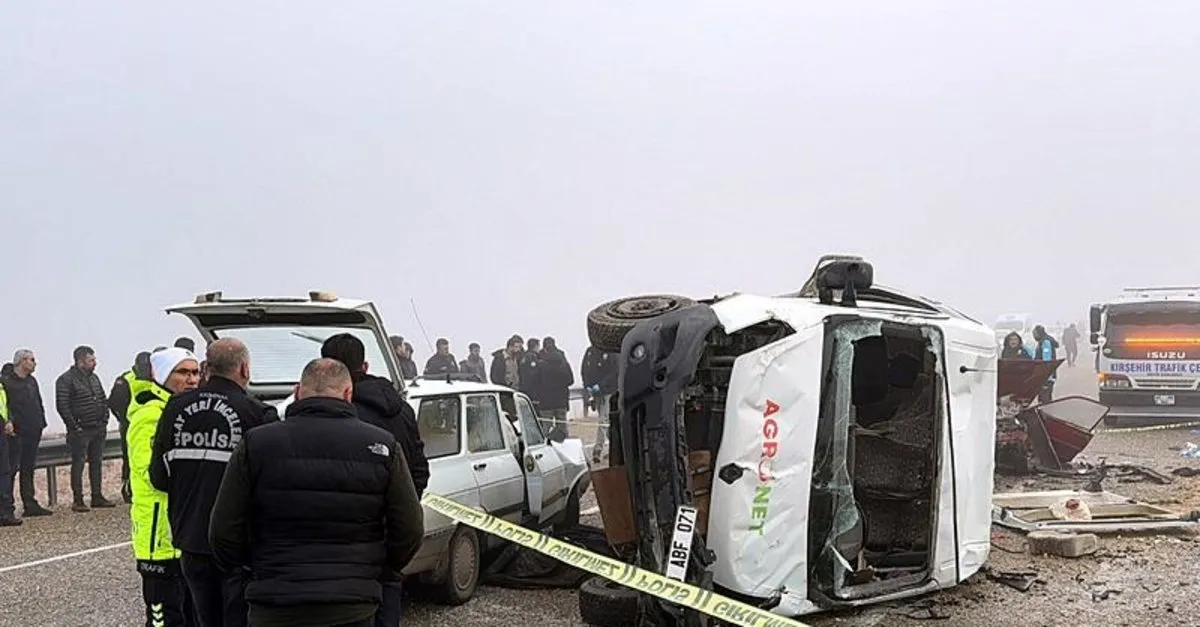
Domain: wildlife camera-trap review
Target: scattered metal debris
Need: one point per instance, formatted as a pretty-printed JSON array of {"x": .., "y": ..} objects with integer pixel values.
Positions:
[
  {"x": 1019, "y": 580},
  {"x": 1110, "y": 513}
]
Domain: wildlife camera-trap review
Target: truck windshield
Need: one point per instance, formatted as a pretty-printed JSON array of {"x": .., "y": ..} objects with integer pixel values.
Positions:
[{"x": 1154, "y": 335}]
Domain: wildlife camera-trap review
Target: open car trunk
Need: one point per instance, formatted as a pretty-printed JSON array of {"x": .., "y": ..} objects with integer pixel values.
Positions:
[{"x": 284, "y": 334}]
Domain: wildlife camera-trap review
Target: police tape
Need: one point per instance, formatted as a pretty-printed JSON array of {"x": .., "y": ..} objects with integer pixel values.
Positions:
[
  {"x": 632, "y": 577},
  {"x": 1178, "y": 425}
]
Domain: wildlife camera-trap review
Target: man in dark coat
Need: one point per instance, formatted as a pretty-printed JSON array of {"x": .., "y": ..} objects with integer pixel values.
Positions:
[
  {"x": 473, "y": 364},
  {"x": 442, "y": 361},
  {"x": 530, "y": 359},
  {"x": 554, "y": 382},
  {"x": 379, "y": 403},
  {"x": 599, "y": 374},
  {"x": 506, "y": 363},
  {"x": 27, "y": 414},
  {"x": 317, "y": 507},
  {"x": 83, "y": 406}
]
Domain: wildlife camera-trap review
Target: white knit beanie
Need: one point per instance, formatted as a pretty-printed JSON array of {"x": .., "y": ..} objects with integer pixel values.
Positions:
[{"x": 164, "y": 362}]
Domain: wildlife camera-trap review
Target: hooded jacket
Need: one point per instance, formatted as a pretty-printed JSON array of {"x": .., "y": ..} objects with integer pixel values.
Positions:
[
  {"x": 377, "y": 402},
  {"x": 25, "y": 408}
]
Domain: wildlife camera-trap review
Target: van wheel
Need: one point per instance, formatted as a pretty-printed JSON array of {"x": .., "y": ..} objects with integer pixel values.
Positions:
[
  {"x": 603, "y": 603},
  {"x": 462, "y": 568},
  {"x": 607, "y": 324}
]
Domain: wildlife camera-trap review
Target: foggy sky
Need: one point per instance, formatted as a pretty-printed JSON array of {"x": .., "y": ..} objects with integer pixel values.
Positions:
[{"x": 510, "y": 165}]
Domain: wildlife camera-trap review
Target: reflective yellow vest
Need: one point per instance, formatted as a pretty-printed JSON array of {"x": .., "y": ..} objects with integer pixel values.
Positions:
[
  {"x": 150, "y": 528},
  {"x": 136, "y": 386},
  {"x": 3, "y": 404}
]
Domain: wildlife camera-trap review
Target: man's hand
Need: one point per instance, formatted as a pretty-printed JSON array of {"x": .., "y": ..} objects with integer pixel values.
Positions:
[{"x": 8, "y": 428}]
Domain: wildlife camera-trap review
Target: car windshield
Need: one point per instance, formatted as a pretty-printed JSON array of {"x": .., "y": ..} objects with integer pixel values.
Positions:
[{"x": 279, "y": 353}]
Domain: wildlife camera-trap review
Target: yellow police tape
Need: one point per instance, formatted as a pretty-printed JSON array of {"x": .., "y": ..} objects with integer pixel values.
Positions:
[
  {"x": 1179, "y": 425},
  {"x": 632, "y": 577}
]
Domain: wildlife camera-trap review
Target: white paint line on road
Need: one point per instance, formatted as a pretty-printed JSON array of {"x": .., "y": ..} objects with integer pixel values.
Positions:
[
  {"x": 57, "y": 558},
  {"x": 587, "y": 512}
]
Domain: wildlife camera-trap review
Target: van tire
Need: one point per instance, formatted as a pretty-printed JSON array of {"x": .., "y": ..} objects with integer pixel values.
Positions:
[
  {"x": 462, "y": 568},
  {"x": 603, "y": 603},
  {"x": 608, "y": 323}
]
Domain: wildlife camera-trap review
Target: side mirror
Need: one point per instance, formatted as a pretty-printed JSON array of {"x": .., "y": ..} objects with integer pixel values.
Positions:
[
  {"x": 1094, "y": 319},
  {"x": 1094, "y": 339}
]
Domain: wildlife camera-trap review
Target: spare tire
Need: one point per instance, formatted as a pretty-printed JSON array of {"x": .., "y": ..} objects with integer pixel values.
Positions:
[
  {"x": 607, "y": 324},
  {"x": 603, "y": 603}
]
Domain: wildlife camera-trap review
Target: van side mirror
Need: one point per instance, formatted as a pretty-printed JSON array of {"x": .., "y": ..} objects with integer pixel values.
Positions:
[
  {"x": 1094, "y": 316},
  {"x": 1095, "y": 339}
]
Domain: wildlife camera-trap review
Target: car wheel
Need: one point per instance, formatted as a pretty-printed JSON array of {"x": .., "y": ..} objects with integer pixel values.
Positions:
[
  {"x": 607, "y": 324},
  {"x": 570, "y": 517},
  {"x": 603, "y": 603},
  {"x": 462, "y": 567}
]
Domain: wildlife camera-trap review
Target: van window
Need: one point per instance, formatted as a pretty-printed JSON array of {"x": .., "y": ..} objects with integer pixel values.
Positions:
[
  {"x": 438, "y": 422},
  {"x": 529, "y": 423},
  {"x": 483, "y": 424}
]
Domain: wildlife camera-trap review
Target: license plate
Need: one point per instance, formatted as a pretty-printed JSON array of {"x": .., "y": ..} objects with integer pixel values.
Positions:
[
  {"x": 1164, "y": 399},
  {"x": 680, "y": 551}
]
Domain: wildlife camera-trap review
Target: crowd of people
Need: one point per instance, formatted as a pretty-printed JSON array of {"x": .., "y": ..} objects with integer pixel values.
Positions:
[{"x": 234, "y": 512}]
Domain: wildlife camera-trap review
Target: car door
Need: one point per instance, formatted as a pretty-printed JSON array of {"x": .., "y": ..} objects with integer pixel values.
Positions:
[
  {"x": 546, "y": 462},
  {"x": 497, "y": 472}
]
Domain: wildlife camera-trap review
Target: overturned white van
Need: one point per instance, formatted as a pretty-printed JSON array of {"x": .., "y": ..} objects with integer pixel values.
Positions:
[{"x": 836, "y": 442}]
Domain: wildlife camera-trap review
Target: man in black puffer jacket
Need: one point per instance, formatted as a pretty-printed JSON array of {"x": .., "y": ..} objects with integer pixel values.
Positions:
[
  {"x": 317, "y": 506},
  {"x": 83, "y": 406},
  {"x": 377, "y": 402}
]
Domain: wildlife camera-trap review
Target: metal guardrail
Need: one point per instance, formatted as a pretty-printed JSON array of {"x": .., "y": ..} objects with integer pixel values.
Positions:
[{"x": 56, "y": 452}]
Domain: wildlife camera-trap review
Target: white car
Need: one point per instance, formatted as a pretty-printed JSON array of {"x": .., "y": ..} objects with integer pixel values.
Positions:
[
  {"x": 830, "y": 447},
  {"x": 485, "y": 446}
]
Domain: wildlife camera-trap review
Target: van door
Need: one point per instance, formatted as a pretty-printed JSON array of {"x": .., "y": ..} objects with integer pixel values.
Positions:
[
  {"x": 547, "y": 463},
  {"x": 499, "y": 475}
]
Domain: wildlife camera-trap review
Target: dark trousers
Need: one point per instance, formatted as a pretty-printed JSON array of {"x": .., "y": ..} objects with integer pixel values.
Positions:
[
  {"x": 389, "y": 613},
  {"x": 126, "y": 492},
  {"x": 168, "y": 603},
  {"x": 219, "y": 598},
  {"x": 87, "y": 444},
  {"x": 7, "y": 510},
  {"x": 22, "y": 452}
]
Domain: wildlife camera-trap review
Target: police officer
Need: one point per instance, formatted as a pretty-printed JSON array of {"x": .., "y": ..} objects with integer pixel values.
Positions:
[
  {"x": 196, "y": 436},
  {"x": 168, "y": 604},
  {"x": 120, "y": 398},
  {"x": 8, "y": 512}
]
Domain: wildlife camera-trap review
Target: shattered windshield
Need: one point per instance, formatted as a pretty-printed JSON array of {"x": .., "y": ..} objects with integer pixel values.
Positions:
[{"x": 279, "y": 353}]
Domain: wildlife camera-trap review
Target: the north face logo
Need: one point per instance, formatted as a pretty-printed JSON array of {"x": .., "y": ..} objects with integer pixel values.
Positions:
[{"x": 379, "y": 448}]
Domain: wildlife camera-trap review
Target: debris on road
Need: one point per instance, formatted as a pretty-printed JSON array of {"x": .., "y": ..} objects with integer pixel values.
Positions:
[
  {"x": 1110, "y": 514},
  {"x": 1070, "y": 545},
  {"x": 1019, "y": 580}
]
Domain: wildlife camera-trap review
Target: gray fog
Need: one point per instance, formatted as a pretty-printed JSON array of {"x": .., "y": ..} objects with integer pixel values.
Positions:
[{"x": 510, "y": 165}]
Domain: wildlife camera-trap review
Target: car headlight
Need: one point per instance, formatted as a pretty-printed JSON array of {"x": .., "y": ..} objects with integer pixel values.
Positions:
[{"x": 1115, "y": 382}]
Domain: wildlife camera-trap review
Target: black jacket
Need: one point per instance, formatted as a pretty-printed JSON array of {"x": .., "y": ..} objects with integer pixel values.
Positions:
[
  {"x": 599, "y": 368},
  {"x": 320, "y": 507},
  {"x": 498, "y": 368},
  {"x": 80, "y": 399},
  {"x": 196, "y": 436},
  {"x": 531, "y": 384},
  {"x": 25, "y": 407},
  {"x": 119, "y": 395},
  {"x": 377, "y": 402},
  {"x": 475, "y": 367},
  {"x": 554, "y": 381},
  {"x": 441, "y": 364},
  {"x": 408, "y": 368}
]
